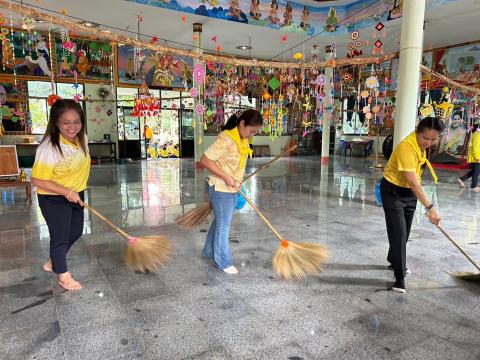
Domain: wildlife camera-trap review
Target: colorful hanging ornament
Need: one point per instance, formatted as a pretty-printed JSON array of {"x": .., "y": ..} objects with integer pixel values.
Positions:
[
  {"x": 193, "y": 92},
  {"x": 377, "y": 34},
  {"x": 274, "y": 83},
  {"x": 199, "y": 109},
  {"x": 372, "y": 82},
  {"x": 199, "y": 73}
]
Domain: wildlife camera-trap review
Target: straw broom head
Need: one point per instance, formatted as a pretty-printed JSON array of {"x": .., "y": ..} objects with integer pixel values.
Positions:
[
  {"x": 147, "y": 253},
  {"x": 298, "y": 259},
  {"x": 195, "y": 216}
]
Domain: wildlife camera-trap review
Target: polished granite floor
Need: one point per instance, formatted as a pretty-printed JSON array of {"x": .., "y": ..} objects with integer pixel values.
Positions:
[{"x": 190, "y": 310}]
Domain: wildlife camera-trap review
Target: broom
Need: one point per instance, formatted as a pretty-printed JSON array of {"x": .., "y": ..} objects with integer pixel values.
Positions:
[
  {"x": 294, "y": 259},
  {"x": 464, "y": 275},
  {"x": 143, "y": 253},
  {"x": 196, "y": 216}
]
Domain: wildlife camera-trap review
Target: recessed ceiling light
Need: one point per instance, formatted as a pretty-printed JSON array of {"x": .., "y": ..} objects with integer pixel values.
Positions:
[{"x": 244, "y": 47}]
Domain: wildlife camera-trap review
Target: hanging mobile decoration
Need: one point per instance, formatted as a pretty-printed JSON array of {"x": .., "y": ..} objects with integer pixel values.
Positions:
[{"x": 377, "y": 34}]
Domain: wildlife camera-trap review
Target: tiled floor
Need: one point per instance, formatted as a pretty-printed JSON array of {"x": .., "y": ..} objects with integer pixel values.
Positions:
[{"x": 190, "y": 310}]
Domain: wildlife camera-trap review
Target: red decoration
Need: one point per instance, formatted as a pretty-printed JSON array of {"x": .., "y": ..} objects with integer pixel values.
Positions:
[
  {"x": 283, "y": 38},
  {"x": 218, "y": 48},
  {"x": 52, "y": 98},
  {"x": 154, "y": 40},
  {"x": 184, "y": 18},
  {"x": 214, "y": 38},
  {"x": 379, "y": 26},
  {"x": 378, "y": 44},
  {"x": 146, "y": 104}
]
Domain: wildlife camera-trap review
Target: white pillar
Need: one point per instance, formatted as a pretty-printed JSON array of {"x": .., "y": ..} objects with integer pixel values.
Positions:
[
  {"x": 327, "y": 113},
  {"x": 411, "y": 44},
  {"x": 198, "y": 130}
]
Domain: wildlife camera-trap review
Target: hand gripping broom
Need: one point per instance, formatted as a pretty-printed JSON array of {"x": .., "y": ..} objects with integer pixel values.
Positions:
[
  {"x": 142, "y": 253},
  {"x": 294, "y": 259},
  {"x": 196, "y": 216}
]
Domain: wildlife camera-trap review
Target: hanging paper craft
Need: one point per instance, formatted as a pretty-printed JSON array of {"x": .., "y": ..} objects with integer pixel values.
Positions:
[
  {"x": 364, "y": 94},
  {"x": 372, "y": 82},
  {"x": 354, "y": 35},
  {"x": 347, "y": 77},
  {"x": 193, "y": 92},
  {"x": 378, "y": 45},
  {"x": 199, "y": 73},
  {"x": 321, "y": 80},
  {"x": 274, "y": 83},
  {"x": 199, "y": 109}
]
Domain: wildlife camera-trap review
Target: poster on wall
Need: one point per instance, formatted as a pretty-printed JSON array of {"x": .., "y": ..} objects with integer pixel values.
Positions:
[
  {"x": 31, "y": 56},
  {"x": 158, "y": 69},
  {"x": 463, "y": 64}
]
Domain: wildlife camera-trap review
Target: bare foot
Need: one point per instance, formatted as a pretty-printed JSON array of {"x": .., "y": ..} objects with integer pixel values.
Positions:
[
  {"x": 47, "y": 266},
  {"x": 476, "y": 189},
  {"x": 461, "y": 183},
  {"x": 67, "y": 282}
]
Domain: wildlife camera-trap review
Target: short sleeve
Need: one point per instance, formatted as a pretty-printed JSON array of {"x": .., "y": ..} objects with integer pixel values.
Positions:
[
  {"x": 45, "y": 161},
  {"x": 406, "y": 159},
  {"x": 218, "y": 149}
]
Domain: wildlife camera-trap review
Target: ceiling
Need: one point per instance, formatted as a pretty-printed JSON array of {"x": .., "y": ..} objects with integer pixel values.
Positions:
[{"x": 445, "y": 25}]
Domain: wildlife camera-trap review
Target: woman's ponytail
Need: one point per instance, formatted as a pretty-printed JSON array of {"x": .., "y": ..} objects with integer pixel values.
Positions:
[{"x": 231, "y": 123}]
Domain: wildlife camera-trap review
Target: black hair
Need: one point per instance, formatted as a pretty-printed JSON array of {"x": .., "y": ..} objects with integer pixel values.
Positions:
[
  {"x": 430, "y": 123},
  {"x": 475, "y": 126},
  {"x": 251, "y": 117},
  {"x": 52, "y": 132}
]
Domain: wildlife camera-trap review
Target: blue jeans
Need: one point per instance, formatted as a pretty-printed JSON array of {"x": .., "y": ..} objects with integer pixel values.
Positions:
[{"x": 216, "y": 243}]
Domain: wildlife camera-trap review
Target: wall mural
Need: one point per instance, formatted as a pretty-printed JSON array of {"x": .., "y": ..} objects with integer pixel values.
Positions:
[
  {"x": 158, "y": 69},
  {"x": 291, "y": 16}
]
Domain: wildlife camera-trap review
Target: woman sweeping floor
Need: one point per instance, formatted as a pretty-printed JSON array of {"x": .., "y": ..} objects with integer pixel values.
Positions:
[
  {"x": 401, "y": 188},
  {"x": 60, "y": 172},
  {"x": 226, "y": 160}
]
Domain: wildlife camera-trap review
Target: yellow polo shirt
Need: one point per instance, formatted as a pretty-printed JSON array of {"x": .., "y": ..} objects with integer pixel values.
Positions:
[
  {"x": 474, "y": 148},
  {"x": 224, "y": 152},
  {"x": 403, "y": 159},
  {"x": 70, "y": 170}
]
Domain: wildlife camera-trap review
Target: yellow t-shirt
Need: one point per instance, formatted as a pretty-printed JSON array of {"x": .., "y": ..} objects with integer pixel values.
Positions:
[
  {"x": 163, "y": 153},
  {"x": 148, "y": 133},
  {"x": 70, "y": 170},
  {"x": 224, "y": 151},
  {"x": 402, "y": 159},
  {"x": 474, "y": 148}
]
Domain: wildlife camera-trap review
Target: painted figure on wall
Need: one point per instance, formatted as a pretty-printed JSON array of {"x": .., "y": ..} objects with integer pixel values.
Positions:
[
  {"x": 288, "y": 15},
  {"x": 396, "y": 11},
  {"x": 83, "y": 63},
  {"x": 274, "y": 12},
  {"x": 332, "y": 20},
  {"x": 234, "y": 9},
  {"x": 305, "y": 21},
  {"x": 255, "y": 10},
  {"x": 43, "y": 60}
]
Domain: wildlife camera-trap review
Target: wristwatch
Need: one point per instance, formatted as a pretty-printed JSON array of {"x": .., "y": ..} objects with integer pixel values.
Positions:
[{"x": 428, "y": 208}]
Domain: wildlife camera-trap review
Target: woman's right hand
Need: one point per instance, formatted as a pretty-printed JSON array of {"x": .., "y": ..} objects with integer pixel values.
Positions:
[
  {"x": 74, "y": 197},
  {"x": 229, "y": 181},
  {"x": 433, "y": 216}
]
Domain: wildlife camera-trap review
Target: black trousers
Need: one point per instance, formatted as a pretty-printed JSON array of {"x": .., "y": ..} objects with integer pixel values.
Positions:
[
  {"x": 399, "y": 205},
  {"x": 474, "y": 173},
  {"x": 65, "y": 225}
]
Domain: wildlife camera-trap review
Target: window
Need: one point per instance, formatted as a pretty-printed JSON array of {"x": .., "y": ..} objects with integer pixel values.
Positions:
[{"x": 38, "y": 92}]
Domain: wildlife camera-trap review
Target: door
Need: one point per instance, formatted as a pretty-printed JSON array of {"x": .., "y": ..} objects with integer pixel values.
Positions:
[{"x": 131, "y": 138}]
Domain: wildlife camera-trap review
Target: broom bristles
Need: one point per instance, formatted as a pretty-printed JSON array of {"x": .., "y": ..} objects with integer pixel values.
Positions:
[
  {"x": 195, "y": 216},
  {"x": 147, "y": 253},
  {"x": 298, "y": 259}
]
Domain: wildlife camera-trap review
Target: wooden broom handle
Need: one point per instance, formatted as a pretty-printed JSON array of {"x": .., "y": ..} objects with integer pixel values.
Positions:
[
  {"x": 261, "y": 216},
  {"x": 458, "y": 247},
  {"x": 267, "y": 164},
  {"x": 116, "y": 228}
]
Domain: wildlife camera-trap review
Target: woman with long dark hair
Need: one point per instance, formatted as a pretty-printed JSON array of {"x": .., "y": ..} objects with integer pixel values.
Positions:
[
  {"x": 60, "y": 172},
  {"x": 401, "y": 188},
  {"x": 225, "y": 159}
]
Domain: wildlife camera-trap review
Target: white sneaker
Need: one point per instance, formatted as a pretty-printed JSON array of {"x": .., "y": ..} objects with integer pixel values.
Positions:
[{"x": 231, "y": 270}]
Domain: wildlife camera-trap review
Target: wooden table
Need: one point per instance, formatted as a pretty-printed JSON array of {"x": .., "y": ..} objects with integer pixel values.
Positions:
[{"x": 18, "y": 183}]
